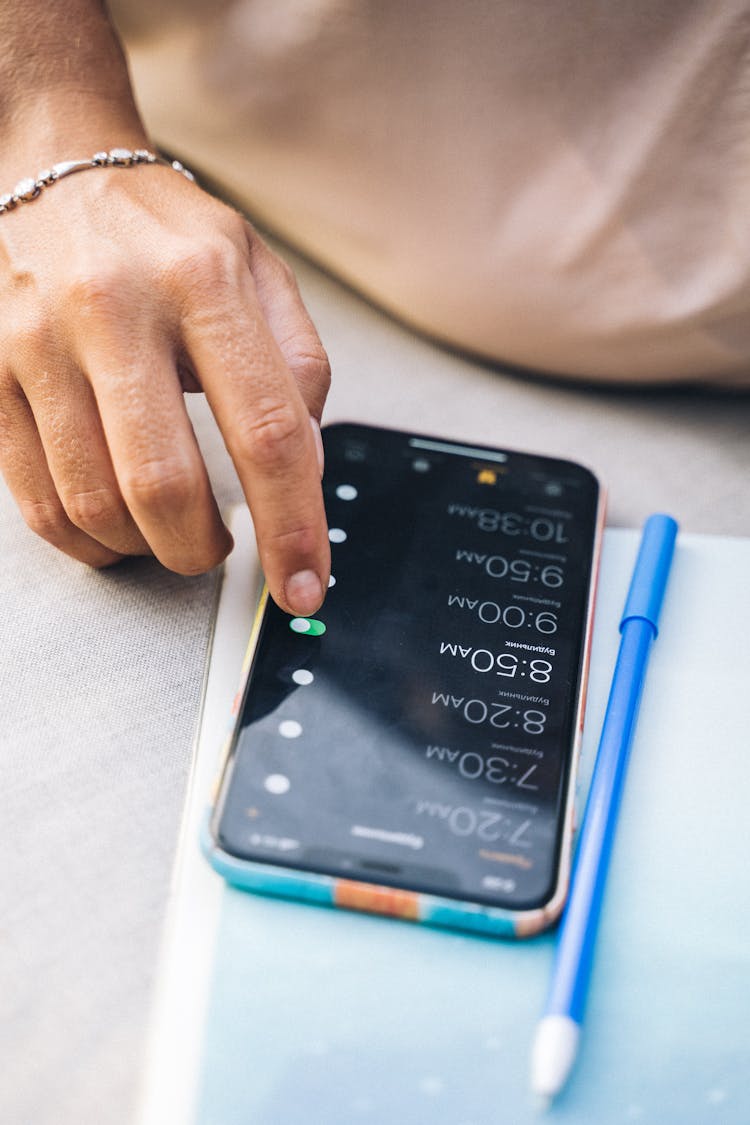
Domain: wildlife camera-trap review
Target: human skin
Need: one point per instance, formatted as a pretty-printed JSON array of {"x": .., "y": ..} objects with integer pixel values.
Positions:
[{"x": 121, "y": 288}]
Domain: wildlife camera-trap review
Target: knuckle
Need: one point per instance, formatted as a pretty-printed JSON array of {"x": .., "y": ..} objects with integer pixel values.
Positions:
[
  {"x": 213, "y": 266},
  {"x": 95, "y": 294},
  {"x": 23, "y": 341},
  {"x": 28, "y": 338},
  {"x": 95, "y": 510},
  {"x": 298, "y": 541},
  {"x": 161, "y": 484},
  {"x": 286, "y": 274},
  {"x": 236, "y": 227},
  {"x": 46, "y": 518},
  {"x": 311, "y": 365},
  {"x": 271, "y": 436}
]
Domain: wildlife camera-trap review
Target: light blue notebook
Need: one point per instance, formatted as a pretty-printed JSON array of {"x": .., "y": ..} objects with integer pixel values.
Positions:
[{"x": 274, "y": 1013}]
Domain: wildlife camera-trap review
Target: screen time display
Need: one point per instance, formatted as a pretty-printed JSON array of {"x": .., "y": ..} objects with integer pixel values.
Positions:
[{"x": 417, "y": 732}]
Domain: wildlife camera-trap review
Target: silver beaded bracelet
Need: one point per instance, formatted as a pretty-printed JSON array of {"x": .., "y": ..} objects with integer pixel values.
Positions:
[{"x": 28, "y": 189}]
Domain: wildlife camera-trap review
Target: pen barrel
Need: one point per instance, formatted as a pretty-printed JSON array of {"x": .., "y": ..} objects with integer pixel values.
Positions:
[
  {"x": 651, "y": 573},
  {"x": 572, "y": 968}
]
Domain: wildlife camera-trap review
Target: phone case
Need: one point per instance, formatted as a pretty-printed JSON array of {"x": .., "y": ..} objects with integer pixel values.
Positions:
[{"x": 413, "y": 906}]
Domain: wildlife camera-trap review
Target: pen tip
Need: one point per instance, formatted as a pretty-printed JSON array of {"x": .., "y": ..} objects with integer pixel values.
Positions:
[{"x": 553, "y": 1055}]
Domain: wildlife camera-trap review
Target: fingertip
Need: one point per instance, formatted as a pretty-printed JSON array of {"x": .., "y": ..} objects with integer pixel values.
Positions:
[
  {"x": 100, "y": 560},
  {"x": 227, "y": 545},
  {"x": 303, "y": 593},
  {"x": 223, "y": 550}
]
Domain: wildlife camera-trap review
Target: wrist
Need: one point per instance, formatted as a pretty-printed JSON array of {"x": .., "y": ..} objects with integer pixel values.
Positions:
[
  {"x": 59, "y": 128},
  {"x": 64, "y": 85}
]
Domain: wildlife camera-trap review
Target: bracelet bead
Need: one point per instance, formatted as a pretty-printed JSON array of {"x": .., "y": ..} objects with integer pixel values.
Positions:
[
  {"x": 26, "y": 189},
  {"x": 30, "y": 188}
]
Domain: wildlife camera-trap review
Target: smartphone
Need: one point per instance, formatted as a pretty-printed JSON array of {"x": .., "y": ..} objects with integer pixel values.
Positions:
[{"x": 411, "y": 750}]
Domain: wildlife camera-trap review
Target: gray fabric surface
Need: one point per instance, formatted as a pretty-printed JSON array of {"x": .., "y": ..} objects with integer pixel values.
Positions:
[{"x": 101, "y": 679}]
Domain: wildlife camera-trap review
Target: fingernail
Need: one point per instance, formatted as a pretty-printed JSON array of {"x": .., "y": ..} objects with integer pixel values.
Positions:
[
  {"x": 318, "y": 444},
  {"x": 304, "y": 592}
]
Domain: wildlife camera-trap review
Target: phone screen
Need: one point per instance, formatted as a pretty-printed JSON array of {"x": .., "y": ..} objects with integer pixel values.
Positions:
[{"x": 418, "y": 731}]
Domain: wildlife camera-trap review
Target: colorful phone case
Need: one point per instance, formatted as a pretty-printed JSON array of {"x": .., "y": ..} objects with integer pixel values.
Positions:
[{"x": 413, "y": 906}]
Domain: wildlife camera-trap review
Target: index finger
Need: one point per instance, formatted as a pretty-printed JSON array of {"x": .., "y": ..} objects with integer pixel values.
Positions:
[{"x": 266, "y": 428}]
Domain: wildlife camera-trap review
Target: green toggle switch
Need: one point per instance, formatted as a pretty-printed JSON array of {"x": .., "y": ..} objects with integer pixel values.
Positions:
[{"x": 310, "y": 626}]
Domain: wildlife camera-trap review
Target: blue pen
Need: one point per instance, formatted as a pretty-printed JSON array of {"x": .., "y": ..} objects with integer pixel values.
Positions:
[{"x": 557, "y": 1034}]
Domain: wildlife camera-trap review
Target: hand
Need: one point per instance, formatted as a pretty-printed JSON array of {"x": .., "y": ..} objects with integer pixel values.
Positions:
[{"x": 119, "y": 290}]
